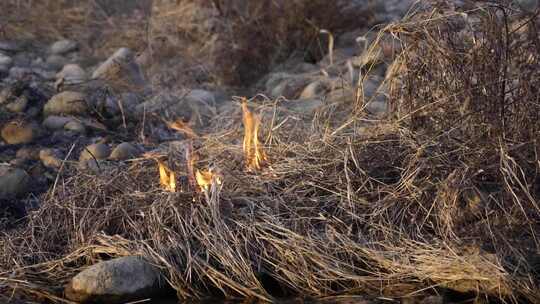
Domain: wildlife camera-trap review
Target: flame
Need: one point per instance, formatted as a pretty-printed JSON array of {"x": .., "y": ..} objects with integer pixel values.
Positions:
[
  {"x": 253, "y": 152},
  {"x": 205, "y": 178},
  {"x": 167, "y": 178},
  {"x": 183, "y": 127}
]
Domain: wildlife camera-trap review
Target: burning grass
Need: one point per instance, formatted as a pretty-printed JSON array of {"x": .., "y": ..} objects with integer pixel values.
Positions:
[{"x": 394, "y": 209}]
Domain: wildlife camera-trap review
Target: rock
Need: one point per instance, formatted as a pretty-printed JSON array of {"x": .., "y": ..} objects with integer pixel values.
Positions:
[
  {"x": 71, "y": 74},
  {"x": 19, "y": 105},
  {"x": 20, "y": 72},
  {"x": 5, "y": 61},
  {"x": 56, "y": 62},
  {"x": 28, "y": 153},
  {"x": 13, "y": 182},
  {"x": 63, "y": 46},
  {"x": 304, "y": 106},
  {"x": 274, "y": 79},
  {"x": 51, "y": 158},
  {"x": 433, "y": 300},
  {"x": 316, "y": 89},
  {"x": 9, "y": 46},
  {"x": 19, "y": 132},
  {"x": 195, "y": 104},
  {"x": 67, "y": 102},
  {"x": 54, "y": 122},
  {"x": 105, "y": 103},
  {"x": 75, "y": 126},
  {"x": 116, "y": 281},
  {"x": 338, "y": 55},
  {"x": 291, "y": 87},
  {"x": 6, "y": 95},
  {"x": 46, "y": 75},
  {"x": 4, "y": 71},
  {"x": 130, "y": 101},
  {"x": 529, "y": 6},
  {"x": 95, "y": 151},
  {"x": 121, "y": 68},
  {"x": 124, "y": 151}
]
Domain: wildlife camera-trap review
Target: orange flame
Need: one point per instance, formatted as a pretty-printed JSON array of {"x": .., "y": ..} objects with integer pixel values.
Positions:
[
  {"x": 253, "y": 152},
  {"x": 181, "y": 126},
  {"x": 167, "y": 178},
  {"x": 205, "y": 178}
]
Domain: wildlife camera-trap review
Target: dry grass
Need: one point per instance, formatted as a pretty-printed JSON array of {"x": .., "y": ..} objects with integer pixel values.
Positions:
[
  {"x": 444, "y": 195},
  {"x": 236, "y": 42}
]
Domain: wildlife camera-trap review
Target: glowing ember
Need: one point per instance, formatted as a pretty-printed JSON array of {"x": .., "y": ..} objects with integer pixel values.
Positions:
[
  {"x": 181, "y": 126},
  {"x": 205, "y": 178},
  {"x": 253, "y": 152},
  {"x": 167, "y": 178}
]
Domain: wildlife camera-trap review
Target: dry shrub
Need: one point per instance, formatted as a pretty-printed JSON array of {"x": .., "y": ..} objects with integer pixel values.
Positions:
[{"x": 236, "y": 42}]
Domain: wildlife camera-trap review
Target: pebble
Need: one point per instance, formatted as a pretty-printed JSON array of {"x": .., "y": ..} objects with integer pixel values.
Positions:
[
  {"x": 5, "y": 61},
  {"x": 124, "y": 151},
  {"x": 97, "y": 151},
  {"x": 75, "y": 126},
  {"x": 316, "y": 89},
  {"x": 28, "y": 153},
  {"x": 50, "y": 158},
  {"x": 19, "y": 105},
  {"x": 182, "y": 104},
  {"x": 63, "y": 46},
  {"x": 46, "y": 75},
  {"x": 67, "y": 102},
  {"x": 72, "y": 74},
  {"x": 56, "y": 62},
  {"x": 54, "y": 122},
  {"x": 9, "y": 46},
  {"x": 20, "y": 72},
  {"x": 128, "y": 72},
  {"x": 13, "y": 182},
  {"x": 16, "y": 132}
]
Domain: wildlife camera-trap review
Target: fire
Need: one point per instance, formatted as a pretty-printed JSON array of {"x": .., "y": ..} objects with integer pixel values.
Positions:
[
  {"x": 167, "y": 178},
  {"x": 205, "y": 178},
  {"x": 183, "y": 127},
  {"x": 253, "y": 152}
]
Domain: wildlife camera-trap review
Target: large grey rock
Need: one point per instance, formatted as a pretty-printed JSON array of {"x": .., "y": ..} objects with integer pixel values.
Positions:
[
  {"x": 63, "y": 46},
  {"x": 67, "y": 102},
  {"x": 121, "y": 68},
  {"x": 116, "y": 281},
  {"x": 19, "y": 132},
  {"x": 13, "y": 182}
]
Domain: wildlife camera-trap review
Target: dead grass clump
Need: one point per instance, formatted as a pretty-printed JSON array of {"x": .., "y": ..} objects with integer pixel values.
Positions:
[
  {"x": 235, "y": 42},
  {"x": 392, "y": 209}
]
